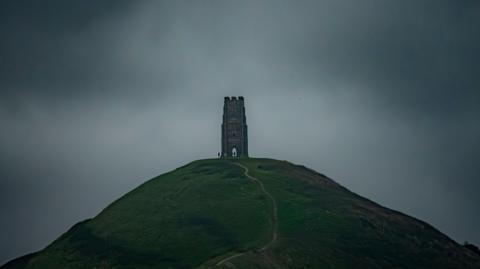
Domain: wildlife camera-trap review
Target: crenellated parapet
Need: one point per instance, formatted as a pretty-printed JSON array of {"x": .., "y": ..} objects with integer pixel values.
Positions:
[{"x": 234, "y": 99}]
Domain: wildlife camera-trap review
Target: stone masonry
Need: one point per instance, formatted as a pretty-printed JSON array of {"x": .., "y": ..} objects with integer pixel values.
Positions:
[{"x": 234, "y": 128}]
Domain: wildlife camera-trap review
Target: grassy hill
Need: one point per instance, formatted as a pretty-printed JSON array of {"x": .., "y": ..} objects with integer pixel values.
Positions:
[{"x": 215, "y": 214}]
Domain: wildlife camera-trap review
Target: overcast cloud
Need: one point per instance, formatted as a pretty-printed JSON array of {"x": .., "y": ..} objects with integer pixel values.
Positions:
[{"x": 97, "y": 97}]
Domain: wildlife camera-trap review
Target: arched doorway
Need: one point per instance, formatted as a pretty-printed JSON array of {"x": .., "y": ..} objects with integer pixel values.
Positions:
[{"x": 234, "y": 152}]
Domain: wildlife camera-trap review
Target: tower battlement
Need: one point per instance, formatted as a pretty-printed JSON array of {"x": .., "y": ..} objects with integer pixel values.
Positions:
[
  {"x": 234, "y": 128},
  {"x": 234, "y": 98}
]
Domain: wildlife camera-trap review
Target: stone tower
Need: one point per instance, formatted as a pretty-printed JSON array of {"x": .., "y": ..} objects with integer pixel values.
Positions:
[{"x": 234, "y": 128}]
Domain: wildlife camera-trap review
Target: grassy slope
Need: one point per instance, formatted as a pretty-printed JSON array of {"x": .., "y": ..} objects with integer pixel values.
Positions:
[
  {"x": 323, "y": 225},
  {"x": 208, "y": 209},
  {"x": 177, "y": 220}
]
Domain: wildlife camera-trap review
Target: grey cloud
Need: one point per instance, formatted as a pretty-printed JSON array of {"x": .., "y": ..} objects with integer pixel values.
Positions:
[{"x": 382, "y": 96}]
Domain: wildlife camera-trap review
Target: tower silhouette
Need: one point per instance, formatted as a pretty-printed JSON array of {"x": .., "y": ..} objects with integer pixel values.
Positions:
[{"x": 234, "y": 128}]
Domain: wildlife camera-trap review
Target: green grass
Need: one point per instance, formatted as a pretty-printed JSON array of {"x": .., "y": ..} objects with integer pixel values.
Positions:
[
  {"x": 323, "y": 225},
  {"x": 208, "y": 209},
  {"x": 177, "y": 220}
]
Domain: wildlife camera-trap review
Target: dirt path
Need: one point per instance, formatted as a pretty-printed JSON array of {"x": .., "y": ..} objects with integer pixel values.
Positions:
[{"x": 274, "y": 219}]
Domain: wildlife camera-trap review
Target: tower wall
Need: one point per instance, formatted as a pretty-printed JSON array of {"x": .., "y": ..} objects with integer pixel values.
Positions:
[{"x": 234, "y": 127}]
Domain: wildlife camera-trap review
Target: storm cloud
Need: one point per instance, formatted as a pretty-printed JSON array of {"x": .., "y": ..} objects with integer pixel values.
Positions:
[{"x": 98, "y": 96}]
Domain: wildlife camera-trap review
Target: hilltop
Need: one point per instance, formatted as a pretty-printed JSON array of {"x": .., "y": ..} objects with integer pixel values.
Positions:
[{"x": 248, "y": 213}]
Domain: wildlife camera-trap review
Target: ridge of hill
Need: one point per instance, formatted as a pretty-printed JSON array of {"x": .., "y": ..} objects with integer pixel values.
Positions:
[{"x": 248, "y": 213}]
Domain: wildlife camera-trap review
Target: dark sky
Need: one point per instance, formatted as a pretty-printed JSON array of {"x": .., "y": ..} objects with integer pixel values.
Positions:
[{"x": 99, "y": 96}]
